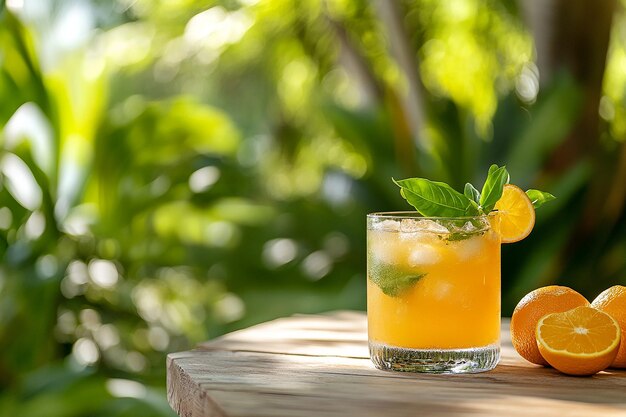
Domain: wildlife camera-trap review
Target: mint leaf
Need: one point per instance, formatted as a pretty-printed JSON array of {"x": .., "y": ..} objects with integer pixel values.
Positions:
[
  {"x": 539, "y": 198},
  {"x": 393, "y": 281},
  {"x": 436, "y": 199},
  {"x": 472, "y": 193},
  {"x": 492, "y": 190}
]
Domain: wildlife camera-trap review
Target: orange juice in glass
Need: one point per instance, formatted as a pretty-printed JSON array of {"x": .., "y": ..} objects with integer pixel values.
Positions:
[{"x": 433, "y": 292}]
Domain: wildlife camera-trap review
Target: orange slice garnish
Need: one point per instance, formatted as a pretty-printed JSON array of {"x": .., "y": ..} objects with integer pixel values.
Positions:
[{"x": 517, "y": 214}]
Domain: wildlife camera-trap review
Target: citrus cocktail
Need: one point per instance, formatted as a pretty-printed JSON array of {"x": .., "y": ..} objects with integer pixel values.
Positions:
[{"x": 433, "y": 292}]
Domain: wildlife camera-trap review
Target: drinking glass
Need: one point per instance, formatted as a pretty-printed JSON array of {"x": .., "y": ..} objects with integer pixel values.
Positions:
[{"x": 433, "y": 292}]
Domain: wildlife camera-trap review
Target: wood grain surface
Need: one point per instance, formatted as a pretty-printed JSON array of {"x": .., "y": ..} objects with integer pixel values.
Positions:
[{"x": 318, "y": 365}]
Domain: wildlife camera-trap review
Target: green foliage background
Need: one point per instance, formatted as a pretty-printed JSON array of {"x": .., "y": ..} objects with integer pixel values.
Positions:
[{"x": 172, "y": 170}]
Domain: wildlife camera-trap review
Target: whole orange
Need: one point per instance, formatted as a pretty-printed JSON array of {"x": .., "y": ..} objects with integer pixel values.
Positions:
[
  {"x": 613, "y": 302},
  {"x": 534, "y": 305}
]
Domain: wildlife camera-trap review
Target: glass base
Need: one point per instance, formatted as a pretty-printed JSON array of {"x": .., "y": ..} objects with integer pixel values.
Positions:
[{"x": 434, "y": 361}]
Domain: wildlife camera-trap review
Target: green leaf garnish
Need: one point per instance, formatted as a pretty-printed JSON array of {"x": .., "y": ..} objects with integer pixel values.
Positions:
[
  {"x": 392, "y": 280},
  {"x": 492, "y": 189},
  {"x": 436, "y": 199},
  {"x": 472, "y": 193},
  {"x": 539, "y": 198}
]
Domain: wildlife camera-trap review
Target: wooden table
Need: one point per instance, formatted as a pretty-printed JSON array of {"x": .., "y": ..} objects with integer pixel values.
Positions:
[{"x": 318, "y": 365}]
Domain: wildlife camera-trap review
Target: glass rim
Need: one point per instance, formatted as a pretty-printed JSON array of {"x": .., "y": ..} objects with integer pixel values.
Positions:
[{"x": 414, "y": 214}]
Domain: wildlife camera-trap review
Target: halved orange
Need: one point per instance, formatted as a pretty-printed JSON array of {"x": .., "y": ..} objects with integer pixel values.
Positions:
[
  {"x": 531, "y": 308},
  {"x": 517, "y": 214},
  {"x": 581, "y": 341}
]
